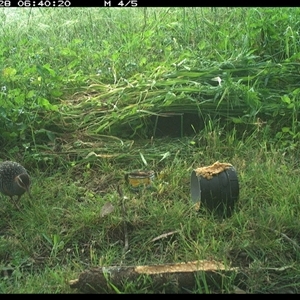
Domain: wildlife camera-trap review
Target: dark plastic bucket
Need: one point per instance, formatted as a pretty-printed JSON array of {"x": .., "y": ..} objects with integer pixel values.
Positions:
[{"x": 218, "y": 194}]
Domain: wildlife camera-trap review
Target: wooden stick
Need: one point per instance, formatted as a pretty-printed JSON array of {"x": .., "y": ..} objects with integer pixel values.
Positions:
[{"x": 168, "y": 278}]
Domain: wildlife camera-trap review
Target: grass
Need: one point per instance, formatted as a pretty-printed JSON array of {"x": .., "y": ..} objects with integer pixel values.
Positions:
[
  {"x": 62, "y": 232},
  {"x": 78, "y": 110}
]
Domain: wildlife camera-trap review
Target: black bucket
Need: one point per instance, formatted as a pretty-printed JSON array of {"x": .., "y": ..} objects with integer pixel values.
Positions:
[{"x": 217, "y": 192}]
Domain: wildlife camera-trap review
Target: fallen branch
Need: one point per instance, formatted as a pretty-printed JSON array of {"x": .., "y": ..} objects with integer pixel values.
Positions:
[
  {"x": 168, "y": 278},
  {"x": 164, "y": 235},
  {"x": 288, "y": 239},
  {"x": 281, "y": 269},
  {"x": 283, "y": 235}
]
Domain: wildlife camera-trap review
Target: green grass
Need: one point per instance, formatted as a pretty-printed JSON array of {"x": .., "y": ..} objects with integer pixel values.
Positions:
[
  {"x": 61, "y": 233},
  {"x": 78, "y": 88}
]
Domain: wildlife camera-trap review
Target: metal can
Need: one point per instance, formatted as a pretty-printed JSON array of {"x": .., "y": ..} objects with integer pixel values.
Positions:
[{"x": 138, "y": 179}]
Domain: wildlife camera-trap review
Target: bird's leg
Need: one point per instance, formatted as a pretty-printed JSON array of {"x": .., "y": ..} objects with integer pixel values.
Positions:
[{"x": 15, "y": 203}]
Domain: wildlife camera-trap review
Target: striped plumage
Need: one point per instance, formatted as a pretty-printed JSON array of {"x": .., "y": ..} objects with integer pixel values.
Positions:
[{"x": 14, "y": 180}]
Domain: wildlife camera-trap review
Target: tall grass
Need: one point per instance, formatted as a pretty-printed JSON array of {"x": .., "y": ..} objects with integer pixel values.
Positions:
[{"x": 127, "y": 67}]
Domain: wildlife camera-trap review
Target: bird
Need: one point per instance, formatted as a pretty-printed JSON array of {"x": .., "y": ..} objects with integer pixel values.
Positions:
[{"x": 14, "y": 180}]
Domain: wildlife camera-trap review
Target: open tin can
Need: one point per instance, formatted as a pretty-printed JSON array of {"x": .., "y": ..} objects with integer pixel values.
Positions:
[{"x": 138, "y": 179}]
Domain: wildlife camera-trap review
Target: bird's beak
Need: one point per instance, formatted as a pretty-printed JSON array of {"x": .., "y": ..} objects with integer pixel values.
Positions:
[{"x": 28, "y": 191}]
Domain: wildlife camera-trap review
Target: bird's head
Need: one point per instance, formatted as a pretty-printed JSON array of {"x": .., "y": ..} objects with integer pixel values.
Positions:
[{"x": 24, "y": 182}]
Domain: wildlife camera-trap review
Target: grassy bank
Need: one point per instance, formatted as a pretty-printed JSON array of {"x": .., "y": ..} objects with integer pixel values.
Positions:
[{"x": 81, "y": 91}]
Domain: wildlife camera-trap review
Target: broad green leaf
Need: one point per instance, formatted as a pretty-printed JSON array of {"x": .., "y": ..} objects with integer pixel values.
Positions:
[
  {"x": 286, "y": 99},
  {"x": 9, "y": 72},
  {"x": 30, "y": 94}
]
